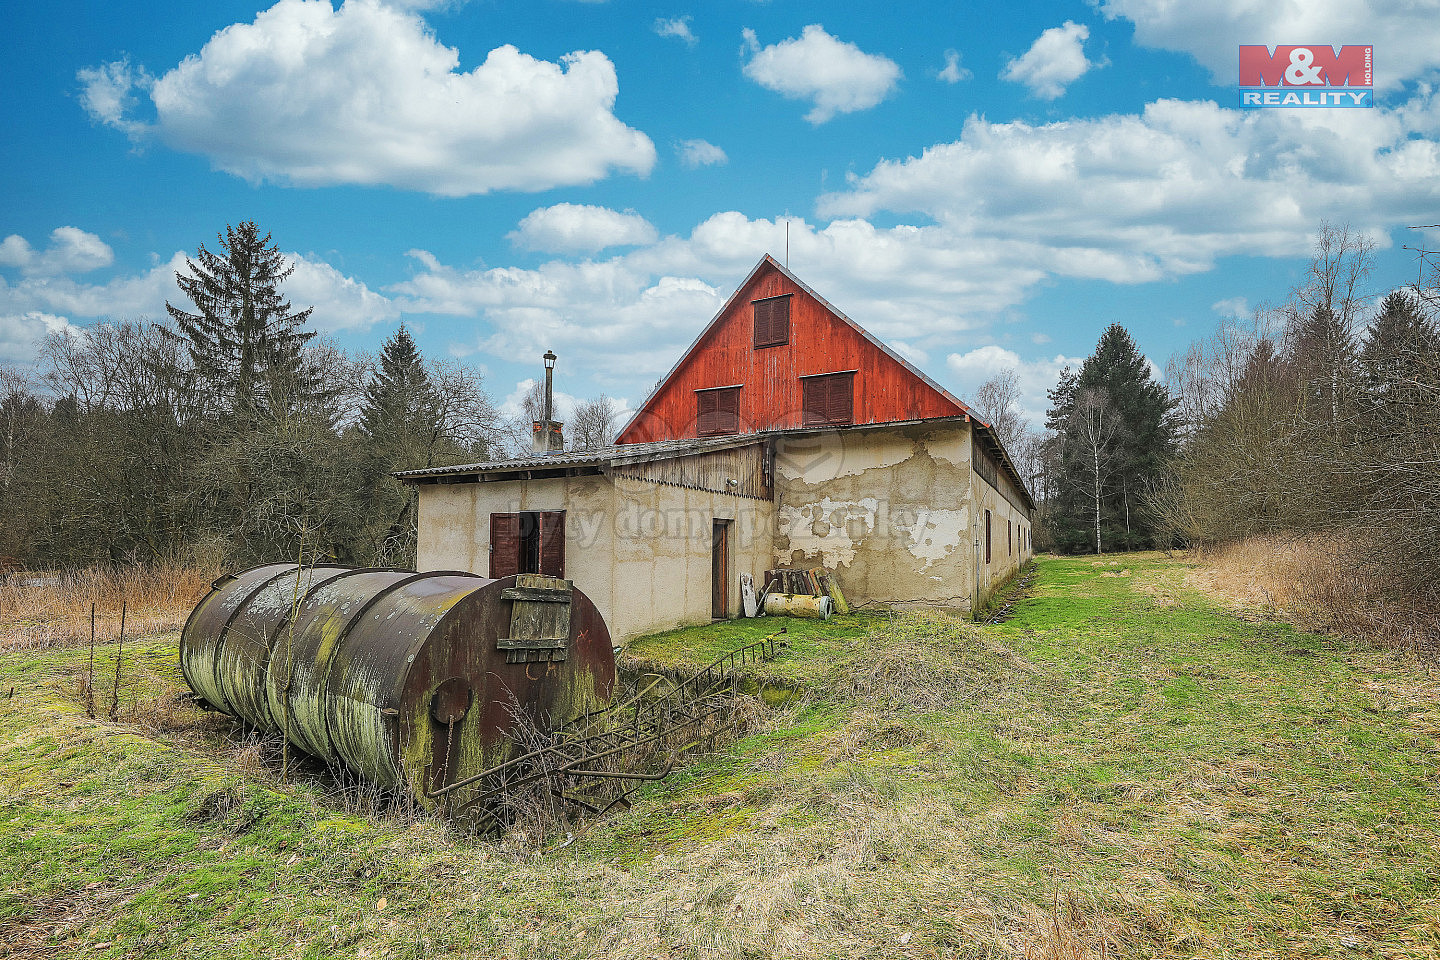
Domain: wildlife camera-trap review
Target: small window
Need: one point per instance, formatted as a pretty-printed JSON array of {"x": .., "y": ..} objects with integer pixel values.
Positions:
[
  {"x": 987, "y": 536},
  {"x": 717, "y": 412},
  {"x": 827, "y": 400},
  {"x": 772, "y": 321},
  {"x": 529, "y": 542},
  {"x": 1009, "y": 533}
]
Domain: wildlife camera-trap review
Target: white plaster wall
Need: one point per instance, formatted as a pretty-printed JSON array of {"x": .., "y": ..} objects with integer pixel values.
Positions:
[
  {"x": 887, "y": 509},
  {"x": 641, "y": 551}
]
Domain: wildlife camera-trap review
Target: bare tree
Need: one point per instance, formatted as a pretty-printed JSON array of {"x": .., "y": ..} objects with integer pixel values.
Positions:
[
  {"x": 997, "y": 401},
  {"x": 1098, "y": 424},
  {"x": 593, "y": 424}
]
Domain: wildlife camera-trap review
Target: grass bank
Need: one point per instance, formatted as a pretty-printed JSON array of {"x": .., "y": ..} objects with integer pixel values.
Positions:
[{"x": 1126, "y": 768}]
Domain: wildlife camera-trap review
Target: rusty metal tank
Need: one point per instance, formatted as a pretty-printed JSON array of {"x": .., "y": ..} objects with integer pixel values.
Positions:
[{"x": 412, "y": 680}]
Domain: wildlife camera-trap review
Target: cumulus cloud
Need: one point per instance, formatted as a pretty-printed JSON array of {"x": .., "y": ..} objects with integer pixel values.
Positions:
[
  {"x": 700, "y": 153},
  {"x": 581, "y": 228},
  {"x": 1133, "y": 198},
  {"x": 47, "y": 299},
  {"x": 71, "y": 250},
  {"x": 1054, "y": 61},
  {"x": 837, "y": 77},
  {"x": 952, "y": 72},
  {"x": 20, "y": 334},
  {"x": 340, "y": 302},
  {"x": 677, "y": 27},
  {"x": 633, "y": 313},
  {"x": 1036, "y": 376},
  {"x": 1403, "y": 34},
  {"x": 311, "y": 95}
]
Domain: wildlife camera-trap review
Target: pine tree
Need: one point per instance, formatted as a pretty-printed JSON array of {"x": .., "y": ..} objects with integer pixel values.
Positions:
[{"x": 245, "y": 339}]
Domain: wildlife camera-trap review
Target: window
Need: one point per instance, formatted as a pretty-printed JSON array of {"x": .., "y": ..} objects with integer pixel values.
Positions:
[
  {"x": 772, "y": 321},
  {"x": 827, "y": 400},
  {"x": 530, "y": 542},
  {"x": 717, "y": 412},
  {"x": 1009, "y": 533},
  {"x": 987, "y": 536}
]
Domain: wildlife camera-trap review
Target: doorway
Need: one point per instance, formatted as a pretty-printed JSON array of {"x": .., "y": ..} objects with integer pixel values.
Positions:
[{"x": 720, "y": 571}]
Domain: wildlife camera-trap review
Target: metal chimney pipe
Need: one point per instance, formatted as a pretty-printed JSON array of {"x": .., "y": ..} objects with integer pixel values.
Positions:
[{"x": 548, "y": 426}]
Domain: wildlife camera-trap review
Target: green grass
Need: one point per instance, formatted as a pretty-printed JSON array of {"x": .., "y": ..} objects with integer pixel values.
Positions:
[{"x": 1125, "y": 768}]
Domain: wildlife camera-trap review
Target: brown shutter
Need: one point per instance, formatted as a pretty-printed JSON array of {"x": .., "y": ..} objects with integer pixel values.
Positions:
[
  {"x": 772, "y": 321},
  {"x": 840, "y": 406},
  {"x": 987, "y": 536},
  {"x": 828, "y": 400},
  {"x": 552, "y": 544},
  {"x": 727, "y": 411},
  {"x": 705, "y": 413},
  {"x": 717, "y": 412},
  {"x": 504, "y": 545}
]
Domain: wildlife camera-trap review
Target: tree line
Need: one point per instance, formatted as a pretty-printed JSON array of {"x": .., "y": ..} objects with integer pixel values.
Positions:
[
  {"x": 1320, "y": 416},
  {"x": 230, "y": 433}
]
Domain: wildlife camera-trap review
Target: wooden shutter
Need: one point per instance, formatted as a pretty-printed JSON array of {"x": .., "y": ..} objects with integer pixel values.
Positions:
[
  {"x": 552, "y": 544},
  {"x": 772, "y": 321},
  {"x": 504, "y": 545},
  {"x": 828, "y": 400},
  {"x": 717, "y": 412},
  {"x": 987, "y": 536}
]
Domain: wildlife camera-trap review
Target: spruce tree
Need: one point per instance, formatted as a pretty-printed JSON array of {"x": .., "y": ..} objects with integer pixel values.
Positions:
[
  {"x": 245, "y": 339},
  {"x": 1398, "y": 350},
  {"x": 400, "y": 401},
  {"x": 1116, "y": 377}
]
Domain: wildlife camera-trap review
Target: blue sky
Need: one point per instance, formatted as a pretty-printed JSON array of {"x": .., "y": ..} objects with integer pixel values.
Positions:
[{"x": 980, "y": 189}]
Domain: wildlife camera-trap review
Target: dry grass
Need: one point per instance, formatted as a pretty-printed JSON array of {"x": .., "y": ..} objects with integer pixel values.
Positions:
[
  {"x": 1317, "y": 583},
  {"x": 53, "y": 609}
]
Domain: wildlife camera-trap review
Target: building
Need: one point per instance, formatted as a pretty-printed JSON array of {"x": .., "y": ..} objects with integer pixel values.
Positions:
[{"x": 786, "y": 435}]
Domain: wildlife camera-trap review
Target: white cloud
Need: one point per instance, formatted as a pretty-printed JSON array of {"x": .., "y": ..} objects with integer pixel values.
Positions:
[
  {"x": 340, "y": 302},
  {"x": 20, "y": 334},
  {"x": 1403, "y": 34},
  {"x": 700, "y": 153},
  {"x": 1036, "y": 376},
  {"x": 311, "y": 95},
  {"x": 1054, "y": 61},
  {"x": 1133, "y": 198},
  {"x": 838, "y": 77},
  {"x": 632, "y": 314},
  {"x": 107, "y": 93},
  {"x": 677, "y": 27},
  {"x": 44, "y": 299},
  {"x": 952, "y": 72},
  {"x": 1237, "y": 307},
  {"x": 581, "y": 228},
  {"x": 71, "y": 250}
]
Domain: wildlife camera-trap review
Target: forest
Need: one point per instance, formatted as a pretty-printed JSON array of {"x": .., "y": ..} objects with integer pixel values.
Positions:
[{"x": 233, "y": 434}]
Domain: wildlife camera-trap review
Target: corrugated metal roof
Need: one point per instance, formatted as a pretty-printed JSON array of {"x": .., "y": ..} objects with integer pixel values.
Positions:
[{"x": 624, "y": 453}]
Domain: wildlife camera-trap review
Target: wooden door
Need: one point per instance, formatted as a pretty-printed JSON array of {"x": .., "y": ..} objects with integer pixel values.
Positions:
[{"x": 720, "y": 571}]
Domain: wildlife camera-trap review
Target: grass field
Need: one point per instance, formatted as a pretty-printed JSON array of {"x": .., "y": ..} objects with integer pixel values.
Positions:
[{"x": 1126, "y": 768}]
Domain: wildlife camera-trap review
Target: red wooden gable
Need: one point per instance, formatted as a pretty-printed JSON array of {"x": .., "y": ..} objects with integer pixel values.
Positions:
[{"x": 820, "y": 340}]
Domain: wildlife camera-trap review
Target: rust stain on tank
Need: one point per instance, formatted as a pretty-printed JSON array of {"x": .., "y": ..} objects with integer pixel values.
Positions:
[{"x": 410, "y": 680}]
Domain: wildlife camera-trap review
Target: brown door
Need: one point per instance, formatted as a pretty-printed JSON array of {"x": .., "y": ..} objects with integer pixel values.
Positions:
[{"x": 720, "y": 571}]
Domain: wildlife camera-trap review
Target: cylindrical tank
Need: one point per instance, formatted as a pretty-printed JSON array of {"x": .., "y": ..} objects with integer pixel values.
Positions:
[
  {"x": 797, "y": 605},
  {"x": 413, "y": 680}
]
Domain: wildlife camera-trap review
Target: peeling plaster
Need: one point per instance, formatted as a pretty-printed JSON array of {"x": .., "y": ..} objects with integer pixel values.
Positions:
[
  {"x": 829, "y": 527},
  {"x": 936, "y": 534}
]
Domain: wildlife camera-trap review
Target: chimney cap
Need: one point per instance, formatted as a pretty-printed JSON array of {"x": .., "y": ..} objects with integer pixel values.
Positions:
[{"x": 550, "y": 359}]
